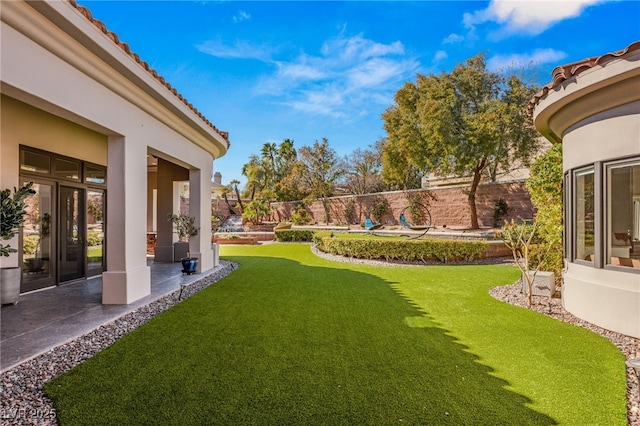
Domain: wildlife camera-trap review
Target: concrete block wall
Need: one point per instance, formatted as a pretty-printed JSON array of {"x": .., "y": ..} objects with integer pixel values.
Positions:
[{"x": 448, "y": 205}]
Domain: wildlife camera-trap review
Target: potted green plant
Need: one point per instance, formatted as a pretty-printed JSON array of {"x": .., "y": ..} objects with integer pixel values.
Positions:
[
  {"x": 185, "y": 227},
  {"x": 12, "y": 211}
]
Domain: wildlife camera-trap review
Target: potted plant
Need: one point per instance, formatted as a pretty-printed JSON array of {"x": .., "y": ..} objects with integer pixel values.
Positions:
[
  {"x": 185, "y": 227},
  {"x": 12, "y": 211},
  {"x": 529, "y": 252}
]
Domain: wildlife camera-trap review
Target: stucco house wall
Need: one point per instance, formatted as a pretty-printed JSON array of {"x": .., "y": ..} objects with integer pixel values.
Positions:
[
  {"x": 73, "y": 88},
  {"x": 593, "y": 108}
]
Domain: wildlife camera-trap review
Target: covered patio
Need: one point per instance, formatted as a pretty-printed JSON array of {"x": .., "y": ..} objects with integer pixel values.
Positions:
[{"x": 45, "y": 319}]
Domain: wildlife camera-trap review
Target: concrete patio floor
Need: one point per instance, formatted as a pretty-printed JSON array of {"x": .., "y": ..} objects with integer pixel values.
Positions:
[{"x": 45, "y": 319}]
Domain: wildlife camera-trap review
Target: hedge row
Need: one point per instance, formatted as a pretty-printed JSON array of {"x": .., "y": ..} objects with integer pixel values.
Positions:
[
  {"x": 403, "y": 250},
  {"x": 298, "y": 235}
]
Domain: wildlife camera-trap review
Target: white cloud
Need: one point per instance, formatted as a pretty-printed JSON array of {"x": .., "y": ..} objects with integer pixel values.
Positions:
[
  {"x": 517, "y": 60},
  {"x": 240, "y": 50},
  {"x": 349, "y": 73},
  {"x": 241, "y": 16},
  {"x": 439, "y": 56},
  {"x": 453, "y": 38},
  {"x": 527, "y": 16}
]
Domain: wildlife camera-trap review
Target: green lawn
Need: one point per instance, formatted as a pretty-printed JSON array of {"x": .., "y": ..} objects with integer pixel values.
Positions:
[{"x": 292, "y": 339}]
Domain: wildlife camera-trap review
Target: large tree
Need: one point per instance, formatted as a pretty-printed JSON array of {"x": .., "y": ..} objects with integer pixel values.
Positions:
[
  {"x": 463, "y": 124},
  {"x": 363, "y": 172},
  {"x": 322, "y": 170},
  {"x": 273, "y": 173}
]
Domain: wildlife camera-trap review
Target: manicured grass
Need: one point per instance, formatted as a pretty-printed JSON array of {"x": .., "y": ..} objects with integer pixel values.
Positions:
[{"x": 290, "y": 338}]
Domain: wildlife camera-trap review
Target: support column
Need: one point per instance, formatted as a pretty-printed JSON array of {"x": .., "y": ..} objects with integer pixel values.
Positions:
[
  {"x": 168, "y": 173},
  {"x": 200, "y": 207},
  {"x": 127, "y": 278}
]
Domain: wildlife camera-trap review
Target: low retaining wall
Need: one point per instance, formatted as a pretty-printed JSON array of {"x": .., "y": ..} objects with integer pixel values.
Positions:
[{"x": 243, "y": 237}]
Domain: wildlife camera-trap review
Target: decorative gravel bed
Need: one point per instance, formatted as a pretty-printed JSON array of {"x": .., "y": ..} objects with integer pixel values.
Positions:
[{"x": 23, "y": 402}]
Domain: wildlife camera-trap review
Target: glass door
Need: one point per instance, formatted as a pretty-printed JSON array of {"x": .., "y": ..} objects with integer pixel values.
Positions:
[
  {"x": 38, "y": 266},
  {"x": 95, "y": 232},
  {"x": 71, "y": 246}
]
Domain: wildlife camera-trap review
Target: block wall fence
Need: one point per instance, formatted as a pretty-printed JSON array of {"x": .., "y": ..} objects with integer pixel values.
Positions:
[{"x": 448, "y": 206}]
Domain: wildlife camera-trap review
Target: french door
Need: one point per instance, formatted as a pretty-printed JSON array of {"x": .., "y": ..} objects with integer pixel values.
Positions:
[
  {"x": 72, "y": 236},
  {"x": 63, "y": 235}
]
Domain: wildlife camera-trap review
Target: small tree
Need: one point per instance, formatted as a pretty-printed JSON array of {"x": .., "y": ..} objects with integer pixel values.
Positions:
[
  {"x": 12, "y": 211},
  {"x": 185, "y": 227},
  {"x": 528, "y": 249}
]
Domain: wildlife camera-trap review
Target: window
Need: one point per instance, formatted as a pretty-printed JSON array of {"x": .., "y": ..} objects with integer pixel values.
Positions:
[
  {"x": 34, "y": 162},
  {"x": 66, "y": 169},
  {"x": 623, "y": 215},
  {"x": 584, "y": 235},
  {"x": 95, "y": 174}
]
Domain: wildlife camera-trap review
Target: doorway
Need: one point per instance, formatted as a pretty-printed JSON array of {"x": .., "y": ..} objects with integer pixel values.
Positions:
[
  {"x": 71, "y": 241},
  {"x": 63, "y": 235}
]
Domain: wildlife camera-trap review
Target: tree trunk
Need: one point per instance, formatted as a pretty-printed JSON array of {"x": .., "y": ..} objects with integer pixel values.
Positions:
[
  {"x": 325, "y": 205},
  {"x": 477, "y": 173}
]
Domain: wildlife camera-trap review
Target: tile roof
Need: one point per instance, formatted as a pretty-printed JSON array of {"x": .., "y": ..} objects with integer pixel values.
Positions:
[
  {"x": 125, "y": 47},
  {"x": 564, "y": 72}
]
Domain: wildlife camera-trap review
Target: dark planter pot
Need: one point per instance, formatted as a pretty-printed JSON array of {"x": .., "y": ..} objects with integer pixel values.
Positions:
[
  {"x": 189, "y": 265},
  {"x": 10, "y": 285}
]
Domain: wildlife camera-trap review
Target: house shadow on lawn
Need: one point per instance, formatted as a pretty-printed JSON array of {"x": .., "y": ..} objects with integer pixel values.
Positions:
[{"x": 281, "y": 342}]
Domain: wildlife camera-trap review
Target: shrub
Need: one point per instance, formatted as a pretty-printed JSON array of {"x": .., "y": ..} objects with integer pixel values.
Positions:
[
  {"x": 290, "y": 235},
  {"x": 404, "y": 250},
  {"x": 300, "y": 215},
  {"x": 500, "y": 209},
  {"x": 94, "y": 238},
  {"x": 546, "y": 186},
  {"x": 318, "y": 237},
  {"x": 350, "y": 212},
  {"x": 380, "y": 208}
]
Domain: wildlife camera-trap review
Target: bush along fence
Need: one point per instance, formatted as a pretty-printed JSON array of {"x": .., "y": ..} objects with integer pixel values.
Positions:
[{"x": 424, "y": 250}]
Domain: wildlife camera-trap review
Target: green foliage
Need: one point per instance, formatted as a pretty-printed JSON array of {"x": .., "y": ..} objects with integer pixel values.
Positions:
[
  {"x": 319, "y": 236},
  {"x": 460, "y": 124},
  {"x": 300, "y": 215},
  {"x": 216, "y": 219},
  {"x": 291, "y": 235},
  {"x": 12, "y": 211},
  {"x": 404, "y": 250},
  {"x": 256, "y": 210},
  {"x": 94, "y": 238},
  {"x": 350, "y": 211},
  {"x": 30, "y": 244},
  {"x": 546, "y": 186},
  {"x": 379, "y": 208},
  {"x": 500, "y": 209},
  {"x": 184, "y": 226},
  {"x": 322, "y": 169}
]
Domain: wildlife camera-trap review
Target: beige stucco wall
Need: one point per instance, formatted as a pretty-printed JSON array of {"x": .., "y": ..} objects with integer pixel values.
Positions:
[
  {"x": 607, "y": 135},
  {"x": 114, "y": 112},
  {"x": 610, "y": 299},
  {"x": 25, "y": 125},
  {"x": 596, "y": 117}
]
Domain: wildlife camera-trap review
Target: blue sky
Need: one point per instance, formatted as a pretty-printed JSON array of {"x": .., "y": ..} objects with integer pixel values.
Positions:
[{"x": 265, "y": 71}]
